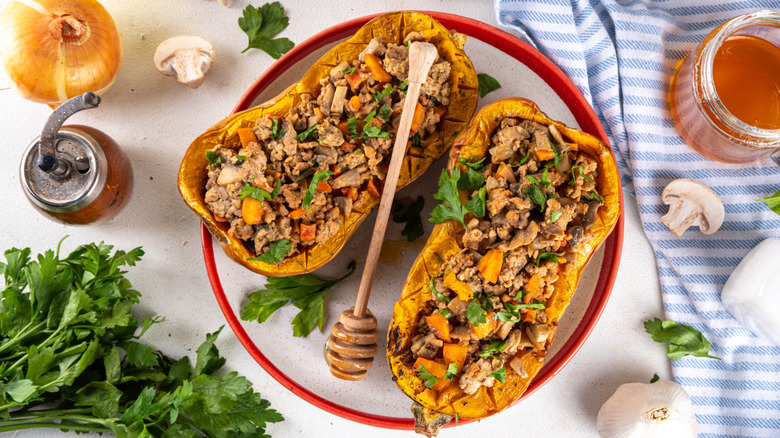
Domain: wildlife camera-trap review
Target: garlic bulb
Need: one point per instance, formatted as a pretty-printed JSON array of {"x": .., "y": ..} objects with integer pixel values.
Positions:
[
  {"x": 52, "y": 50},
  {"x": 656, "y": 410}
]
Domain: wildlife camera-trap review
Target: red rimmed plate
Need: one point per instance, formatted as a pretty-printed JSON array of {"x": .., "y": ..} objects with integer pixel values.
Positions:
[{"x": 298, "y": 363}]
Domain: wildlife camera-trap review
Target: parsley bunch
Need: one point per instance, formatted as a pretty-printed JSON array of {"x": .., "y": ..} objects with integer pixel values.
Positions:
[{"x": 70, "y": 357}]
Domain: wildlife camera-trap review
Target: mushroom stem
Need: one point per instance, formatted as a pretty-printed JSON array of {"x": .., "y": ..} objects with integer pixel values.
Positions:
[{"x": 681, "y": 215}]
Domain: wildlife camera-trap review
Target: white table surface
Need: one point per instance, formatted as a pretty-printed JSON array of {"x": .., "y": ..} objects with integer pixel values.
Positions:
[{"x": 154, "y": 118}]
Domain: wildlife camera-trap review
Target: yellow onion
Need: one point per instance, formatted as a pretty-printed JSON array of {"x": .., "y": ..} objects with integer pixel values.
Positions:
[{"x": 52, "y": 50}]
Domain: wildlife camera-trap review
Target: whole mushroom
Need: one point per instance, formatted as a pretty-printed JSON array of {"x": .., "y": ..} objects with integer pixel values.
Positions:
[
  {"x": 691, "y": 203},
  {"x": 187, "y": 57}
]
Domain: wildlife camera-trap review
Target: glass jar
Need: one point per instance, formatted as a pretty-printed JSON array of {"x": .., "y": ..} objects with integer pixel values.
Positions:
[{"x": 700, "y": 115}]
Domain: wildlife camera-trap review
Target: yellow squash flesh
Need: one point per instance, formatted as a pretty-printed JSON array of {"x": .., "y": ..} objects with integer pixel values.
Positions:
[
  {"x": 392, "y": 28},
  {"x": 446, "y": 240}
]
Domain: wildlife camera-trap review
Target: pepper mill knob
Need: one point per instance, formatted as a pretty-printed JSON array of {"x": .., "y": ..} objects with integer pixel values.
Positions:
[{"x": 352, "y": 345}]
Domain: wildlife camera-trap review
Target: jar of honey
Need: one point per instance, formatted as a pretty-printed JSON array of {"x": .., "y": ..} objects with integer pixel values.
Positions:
[{"x": 725, "y": 97}]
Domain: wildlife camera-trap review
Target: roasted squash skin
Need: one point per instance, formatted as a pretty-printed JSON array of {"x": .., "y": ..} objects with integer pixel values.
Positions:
[
  {"x": 392, "y": 27},
  {"x": 446, "y": 240}
]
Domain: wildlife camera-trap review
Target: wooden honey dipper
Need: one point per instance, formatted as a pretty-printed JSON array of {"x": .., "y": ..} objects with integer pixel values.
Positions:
[{"x": 352, "y": 344}]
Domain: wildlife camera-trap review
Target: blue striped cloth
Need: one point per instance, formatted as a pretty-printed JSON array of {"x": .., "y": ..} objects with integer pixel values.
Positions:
[{"x": 621, "y": 55}]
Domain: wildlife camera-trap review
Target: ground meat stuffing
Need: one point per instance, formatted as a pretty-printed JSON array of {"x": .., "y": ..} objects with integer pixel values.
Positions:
[
  {"x": 293, "y": 180},
  {"x": 490, "y": 297}
]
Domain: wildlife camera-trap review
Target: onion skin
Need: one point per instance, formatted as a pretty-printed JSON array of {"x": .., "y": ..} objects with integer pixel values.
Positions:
[{"x": 45, "y": 60}]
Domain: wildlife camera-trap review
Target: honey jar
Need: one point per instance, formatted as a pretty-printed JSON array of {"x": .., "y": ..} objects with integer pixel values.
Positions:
[
  {"x": 76, "y": 174},
  {"x": 725, "y": 96}
]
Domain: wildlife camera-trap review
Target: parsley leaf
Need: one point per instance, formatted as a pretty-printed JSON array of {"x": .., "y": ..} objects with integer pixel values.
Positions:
[
  {"x": 439, "y": 296},
  {"x": 388, "y": 90},
  {"x": 438, "y": 257},
  {"x": 473, "y": 163},
  {"x": 276, "y": 253},
  {"x": 494, "y": 347},
  {"x": 487, "y": 84},
  {"x": 683, "y": 340},
  {"x": 309, "y": 195},
  {"x": 525, "y": 158},
  {"x": 250, "y": 191},
  {"x": 536, "y": 195},
  {"x": 594, "y": 195},
  {"x": 773, "y": 202},
  {"x": 375, "y": 132},
  {"x": 470, "y": 180},
  {"x": 445, "y": 313},
  {"x": 416, "y": 139},
  {"x": 276, "y": 130},
  {"x": 240, "y": 160},
  {"x": 409, "y": 213},
  {"x": 303, "y": 136},
  {"x": 214, "y": 158},
  {"x": 385, "y": 113},
  {"x": 452, "y": 370},
  {"x": 555, "y": 215},
  {"x": 404, "y": 85},
  {"x": 260, "y": 24},
  {"x": 369, "y": 117},
  {"x": 306, "y": 292},
  {"x": 500, "y": 375},
  {"x": 428, "y": 379},
  {"x": 655, "y": 378},
  {"x": 555, "y": 151},
  {"x": 582, "y": 174},
  {"x": 349, "y": 70},
  {"x": 352, "y": 126},
  {"x": 475, "y": 313},
  {"x": 451, "y": 207},
  {"x": 549, "y": 256}
]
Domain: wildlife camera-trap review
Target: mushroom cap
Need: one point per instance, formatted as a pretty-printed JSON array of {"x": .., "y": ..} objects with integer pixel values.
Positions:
[
  {"x": 692, "y": 203},
  {"x": 188, "y": 57}
]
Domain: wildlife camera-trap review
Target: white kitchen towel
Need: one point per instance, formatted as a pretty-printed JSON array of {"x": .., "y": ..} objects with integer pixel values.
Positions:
[{"x": 621, "y": 55}]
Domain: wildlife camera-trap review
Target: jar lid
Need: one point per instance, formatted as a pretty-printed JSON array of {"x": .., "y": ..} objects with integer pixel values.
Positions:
[{"x": 74, "y": 187}]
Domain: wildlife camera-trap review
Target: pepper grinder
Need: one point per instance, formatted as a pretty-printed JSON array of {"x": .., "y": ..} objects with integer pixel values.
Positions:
[{"x": 76, "y": 174}]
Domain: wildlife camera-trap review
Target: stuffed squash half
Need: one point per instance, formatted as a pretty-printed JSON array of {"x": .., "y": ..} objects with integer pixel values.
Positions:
[
  {"x": 283, "y": 186},
  {"x": 527, "y": 201}
]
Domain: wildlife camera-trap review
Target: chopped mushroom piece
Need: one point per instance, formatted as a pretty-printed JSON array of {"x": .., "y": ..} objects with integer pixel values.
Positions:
[
  {"x": 692, "y": 203},
  {"x": 186, "y": 57}
]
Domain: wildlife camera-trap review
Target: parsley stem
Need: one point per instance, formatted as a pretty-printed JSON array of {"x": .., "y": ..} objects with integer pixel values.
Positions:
[
  {"x": 69, "y": 427},
  {"x": 23, "y": 334}
]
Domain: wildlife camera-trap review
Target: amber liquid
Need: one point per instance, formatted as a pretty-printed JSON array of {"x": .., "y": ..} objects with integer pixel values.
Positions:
[{"x": 746, "y": 72}]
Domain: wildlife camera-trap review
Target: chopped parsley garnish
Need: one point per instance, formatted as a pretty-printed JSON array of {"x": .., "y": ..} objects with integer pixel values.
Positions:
[
  {"x": 352, "y": 126},
  {"x": 475, "y": 313},
  {"x": 500, "y": 375},
  {"x": 555, "y": 151},
  {"x": 536, "y": 195},
  {"x": 773, "y": 202},
  {"x": 214, "y": 158},
  {"x": 416, "y": 139},
  {"x": 532, "y": 179},
  {"x": 250, "y": 191},
  {"x": 582, "y": 174},
  {"x": 369, "y": 117},
  {"x": 451, "y": 207},
  {"x": 507, "y": 316},
  {"x": 535, "y": 305},
  {"x": 683, "y": 340},
  {"x": 375, "y": 132},
  {"x": 655, "y": 378},
  {"x": 385, "y": 113},
  {"x": 555, "y": 215},
  {"x": 439, "y": 296},
  {"x": 428, "y": 379},
  {"x": 260, "y": 24},
  {"x": 276, "y": 130},
  {"x": 438, "y": 257},
  {"x": 594, "y": 195},
  {"x": 487, "y": 84},
  {"x": 318, "y": 178},
  {"x": 445, "y": 313},
  {"x": 409, "y": 214},
  {"x": 494, "y": 347},
  {"x": 525, "y": 158},
  {"x": 551, "y": 257},
  {"x": 276, "y": 253},
  {"x": 368, "y": 130},
  {"x": 474, "y": 164},
  {"x": 303, "y": 136},
  {"x": 388, "y": 90},
  {"x": 404, "y": 85},
  {"x": 306, "y": 292},
  {"x": 452, "y": 370},
  {"x": 349, "y": 70},
  {"x": 240, "y": 160}
]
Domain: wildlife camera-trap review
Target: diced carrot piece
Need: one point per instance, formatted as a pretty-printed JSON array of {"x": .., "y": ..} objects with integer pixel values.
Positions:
[
  {"x": 343, "y": 127},
  {"x": 529, "y": 315},
  {"x": 336, "y": 169},
  {"x": 533, "y": 286},
  {"x": 417, "y": 119},
  {"x": 439, "y": 326},
  {"x": 374, "y": 65},
  {"x": 347, "y": 146},
  {"x": 464, "y": 292},
  {"x": 485, "y": 328},
  {"x": 252, "y": 211},
  {"x": 437, "y": 369},
  {"x": 543, "y": 155},
  {"x": 354, "y": 103},
  {"x": 490, "y": 265},
  {"x": 448, "y": 394},
  {"x": 220, "y": 219},
  {"x": 372, "y": 189},
  {"x": 440, "y": 111},
  {"x": 352, "y": 192},
  {"x": 318, "y": 114},
  {"x": 247, "y": 136},
  {"x": 308, "y": 232},
  {"x": 297, "y": 213},
  {"x": 324, "y": 187},
  {"x": 455, "y": 353},
  {"x": 355, "y": 78}
]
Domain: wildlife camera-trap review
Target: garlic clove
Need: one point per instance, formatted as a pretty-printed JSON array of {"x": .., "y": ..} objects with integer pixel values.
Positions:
[
  {"x": 751, "y": 293},
  {"x": 186, "y": 57},
  {"x": 655, "y": 410}
]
